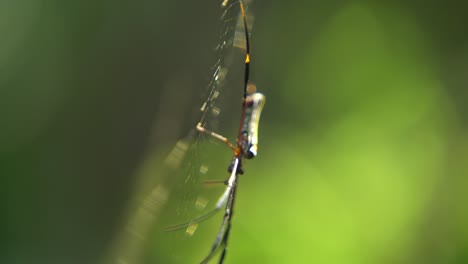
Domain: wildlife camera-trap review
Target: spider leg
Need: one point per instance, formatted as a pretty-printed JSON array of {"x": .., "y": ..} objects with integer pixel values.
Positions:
[
  {"x": 212, "y": 182},
  {"x": 228, "y": 230},
  {"x": 193, "y": 221},
  {"x": 223, "y": 233},
  {"x": 226, "y": 141}
]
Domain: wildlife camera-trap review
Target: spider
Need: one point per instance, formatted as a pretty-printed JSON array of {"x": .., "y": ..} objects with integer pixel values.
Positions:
[{"x": 245, "y": 148}]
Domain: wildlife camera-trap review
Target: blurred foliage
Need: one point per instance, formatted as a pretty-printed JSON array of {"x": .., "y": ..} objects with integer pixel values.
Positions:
[{"x": 364, "y": 139}]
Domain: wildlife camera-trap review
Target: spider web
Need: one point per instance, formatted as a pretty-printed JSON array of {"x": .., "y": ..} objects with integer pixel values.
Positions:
[
  {"x": 224, "y": 93},
  {"x": 178, "y": 194}
]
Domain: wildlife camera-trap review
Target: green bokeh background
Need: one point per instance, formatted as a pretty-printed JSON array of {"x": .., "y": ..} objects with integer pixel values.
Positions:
[{"x": 364, "y": 141}]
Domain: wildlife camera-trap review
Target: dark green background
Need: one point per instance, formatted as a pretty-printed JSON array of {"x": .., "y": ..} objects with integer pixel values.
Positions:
[{"x": 364, "y": 142}]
